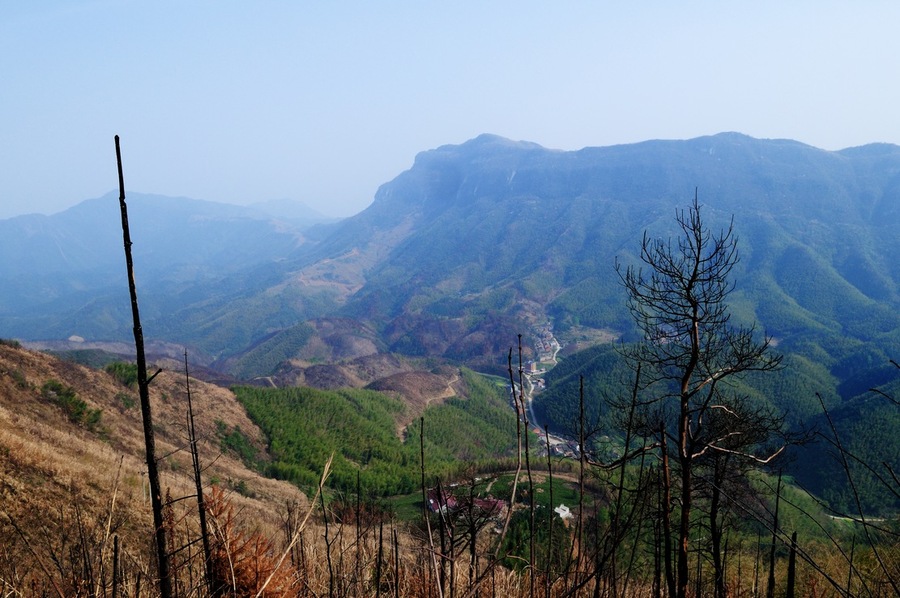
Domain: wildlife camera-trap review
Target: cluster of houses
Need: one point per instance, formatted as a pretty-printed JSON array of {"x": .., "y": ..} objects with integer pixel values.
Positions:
[
  {"x": 545, "y": 345},
  {"x": 443, "y": 501},
  {"x": 556, "y": 445}
]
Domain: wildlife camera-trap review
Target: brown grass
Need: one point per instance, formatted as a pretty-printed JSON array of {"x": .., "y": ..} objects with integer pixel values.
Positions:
[
  {"x": 57, "y": 479},
  {"x": 74, "y": 514}
]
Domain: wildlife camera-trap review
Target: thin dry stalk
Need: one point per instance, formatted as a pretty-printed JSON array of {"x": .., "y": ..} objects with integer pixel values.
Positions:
[
  {"x": 299, "y": 531},
  {"x": 108, "y": 527},
  {"x": 432, "y": 551},
  {"x": 37, "y": 557}
]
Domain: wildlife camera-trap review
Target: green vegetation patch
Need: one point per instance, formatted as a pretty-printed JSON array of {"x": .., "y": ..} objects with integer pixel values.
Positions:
[
  {"x": 481, "y": 426},
  {"x": 551, "y": 541},
  {"x": 92, "y": 358},
  {"x": 126, "y": 373},
  {"x": 235, "y": 441},
  {"x": 263, "y": 359},
  {"x": 359, "y": 427},
  {"x": 19, "y": 378},
  {"x": 75, "y": 409},
  {"x": 126, "y": 400},
  {"x": 305, "y": 426},
  {"x": 562, "y": 491}
]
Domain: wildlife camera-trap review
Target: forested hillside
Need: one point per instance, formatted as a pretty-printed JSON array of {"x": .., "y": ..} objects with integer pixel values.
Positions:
[
  {"x": 480, "y": 241},
  {"x": 373, "y": 437}
]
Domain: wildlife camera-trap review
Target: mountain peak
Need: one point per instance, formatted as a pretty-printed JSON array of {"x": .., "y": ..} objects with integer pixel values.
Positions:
[
  {"x": 486, "y": 143},
  {"x": 496, "y": 141}
]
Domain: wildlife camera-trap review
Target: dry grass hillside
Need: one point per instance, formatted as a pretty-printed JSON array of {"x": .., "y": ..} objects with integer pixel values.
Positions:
[{"x": 70, "y": 479}]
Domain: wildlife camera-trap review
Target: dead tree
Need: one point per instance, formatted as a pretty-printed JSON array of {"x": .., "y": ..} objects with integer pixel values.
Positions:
[
  {"x": 162, "y": 556},
  {"x": 689, "y": 345},
  {"x": 722, "y": 474},
  {"x": 214, "y": 585}
]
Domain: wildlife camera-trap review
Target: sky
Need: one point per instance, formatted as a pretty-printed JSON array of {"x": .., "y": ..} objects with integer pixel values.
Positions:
[{"x": 322, "y": 102}]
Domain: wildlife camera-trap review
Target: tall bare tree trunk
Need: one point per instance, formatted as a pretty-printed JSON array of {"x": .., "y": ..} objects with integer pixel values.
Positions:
[
  {"x": 162, "y": 556},
  {"x": 770, "y": 586},
  {"x": 115, "y": 571},
  {"x": 213, "y": 585},
  {"x": 579, "y": 531},
  {"x": 531, "y": 506},
  {"x": 792, "y": 567},
  {"x": 550, "y": 551},
  {"x": 716, "y": 526},
  {"x": 685, "y": 452},
  {"x": 666, "y": 509},
  {"x": 425, "y": 516}
]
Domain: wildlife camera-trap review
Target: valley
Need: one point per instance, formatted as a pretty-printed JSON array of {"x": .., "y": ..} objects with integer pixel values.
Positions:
[
  {"x": 546, "y": 348},
  {"x": 356, "y": 343}
]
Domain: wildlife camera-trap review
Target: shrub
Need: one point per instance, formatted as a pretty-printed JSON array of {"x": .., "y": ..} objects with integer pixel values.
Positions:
[
  {"x": 235, "y": 442},
  {"x": 125, "y": 373},
  {"x": 75, "y": 409},
  {"x": 19, "y": 378},
  {"x": 126, "y": 399}
]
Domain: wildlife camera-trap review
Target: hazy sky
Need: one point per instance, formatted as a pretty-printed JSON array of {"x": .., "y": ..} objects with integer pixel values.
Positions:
[{"x": 322, "y": 102}]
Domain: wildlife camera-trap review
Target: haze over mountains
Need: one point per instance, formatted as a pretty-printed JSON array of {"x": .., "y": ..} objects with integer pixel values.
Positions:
[{"x": 476, "y": 243}]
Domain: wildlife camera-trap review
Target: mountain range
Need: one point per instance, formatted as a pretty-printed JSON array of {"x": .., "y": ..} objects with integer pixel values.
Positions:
[{"x": 475, "y": 243}]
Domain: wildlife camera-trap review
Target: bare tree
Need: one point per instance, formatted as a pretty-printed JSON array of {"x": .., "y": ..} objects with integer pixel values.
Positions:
[
  {"x": 722, "y": 474},
  {"x": 214, "y": 586},
  {"x": 677, "y": 298},
  {"x": 162, "y": 556}
]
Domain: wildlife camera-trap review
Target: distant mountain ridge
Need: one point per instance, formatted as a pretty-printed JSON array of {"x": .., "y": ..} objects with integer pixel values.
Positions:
[
  {"x": 479, "y": 241},
  {"x": 64, "y": 274},
  {"x": 492, "y": 228}
]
